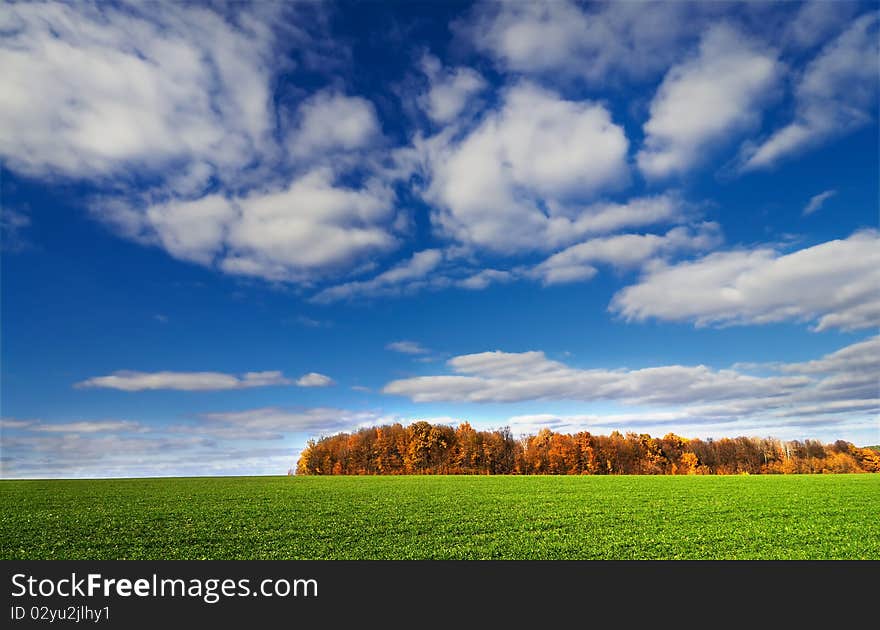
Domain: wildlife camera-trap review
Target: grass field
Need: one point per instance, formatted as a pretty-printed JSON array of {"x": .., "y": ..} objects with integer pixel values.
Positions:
[{"x": 796, "y": 516}]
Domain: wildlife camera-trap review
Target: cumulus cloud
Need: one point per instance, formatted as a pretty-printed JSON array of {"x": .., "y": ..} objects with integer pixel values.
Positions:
[
  {"x": 833, "y": 284},
  {"x": 181, "y": 96},
  {"x": 484, "y": 278},
  {"x": 314, "y": 379},
  {"x": 192, "y": 230},
  {"x": 705, "y": 99},
  {"x": 450, "y": 90},
  {"x": 836, "y": 94},
  {"x": 310, "y": 227},
  {"x": 201, "y": 118},
  {"x": 330, "y": 122},
  {"x": 407, "y": 347},
  {"x": 503, "y": 186},
  {"x": 299, "y": 233},
  {"x": 817, "y": 201},
  {"x": 132, "y": 381},
  {"x": 88, "y": 90},
  {"x": 604, "y": 42}
]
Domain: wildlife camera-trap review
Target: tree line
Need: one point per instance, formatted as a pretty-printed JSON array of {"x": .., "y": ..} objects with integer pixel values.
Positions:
[{"x": 424, "y": 448}]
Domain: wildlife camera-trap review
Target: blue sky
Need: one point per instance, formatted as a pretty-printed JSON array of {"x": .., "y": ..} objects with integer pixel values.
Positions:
[{"x": 230, "y": 228}]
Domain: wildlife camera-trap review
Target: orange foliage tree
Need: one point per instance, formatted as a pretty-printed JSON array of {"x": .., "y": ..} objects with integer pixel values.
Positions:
[{"x": 424, "y": 448}]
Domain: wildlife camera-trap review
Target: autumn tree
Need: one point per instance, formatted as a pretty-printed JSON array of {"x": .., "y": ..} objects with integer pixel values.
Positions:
[{"x": 425, "y": 448}]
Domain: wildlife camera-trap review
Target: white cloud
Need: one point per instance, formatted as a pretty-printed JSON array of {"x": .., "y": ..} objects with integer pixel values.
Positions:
[
  {"x": 182, "y": 96},
  {"x": 496, "y": 187},
  {"x": 817, "y": 201},
  {"x": 96, "y": 426},
  {"x": 863, "y": 356},
  {"x": 313, "y": 379},
  {"x": 406, "y": 275},
  {"x": 532, "y": 36},
  {"x": 623, "y": 250},
  {"x": 310, "y": 228},
  {"x": 484, "y": 278},
  {"x": 192, "y": 230},
  {"x": 606, "y": 42},
  {"x": 836, "y": 94},
  {"x": 606, "y": 217},
  {"x": 852, "y": 373},
  {"x": 331, "y": 122},
  {"x": 407, "y": 347},
  {"x": 515, "y": 377},
  {"x": 705, "y": 99},
  {"x": 833, "y": 284},
  {"x": 816, "y": 20},
  {"x": 132, "y": 381},
  {"x": 450, "y": 90},
  {"x": 88, "y": 90}
]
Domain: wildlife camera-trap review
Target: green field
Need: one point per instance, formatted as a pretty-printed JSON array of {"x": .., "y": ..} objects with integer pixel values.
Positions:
[{"x": 612, "y": 517}]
